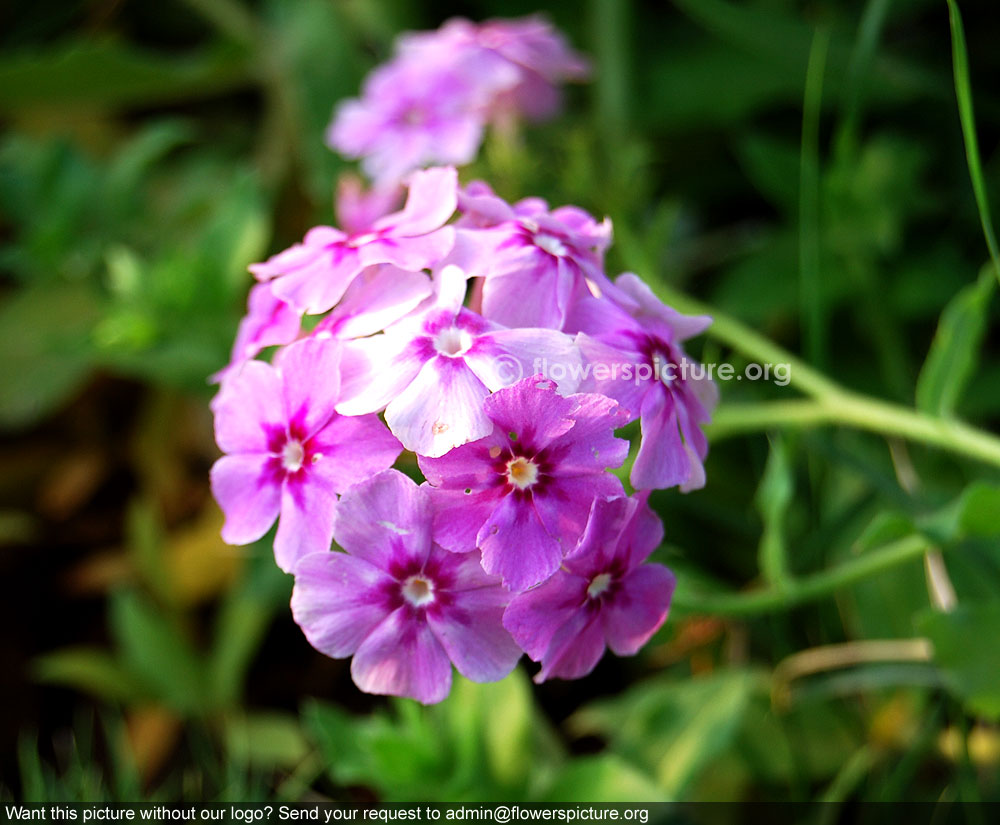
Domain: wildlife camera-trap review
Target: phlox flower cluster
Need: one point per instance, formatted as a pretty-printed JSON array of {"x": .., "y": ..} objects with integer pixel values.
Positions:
[
  {"x": 390, "y": 338},
  {"x": 431, "y": 103},
  {"x": 418, "y": 326}
]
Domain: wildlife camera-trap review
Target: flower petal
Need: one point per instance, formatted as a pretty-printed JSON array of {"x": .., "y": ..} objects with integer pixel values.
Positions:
[
  {"x": 402, "y": 657},
  {"x": 308, "y": 506},
  {"x": 352, "y": 449},
  {"x": 379, "y": 296},
  {"x": 469, "y": 628},
  {"x": 516, "y": 545},
  {"x": 535, "y": 616},
  {"x": 385, "y": 520},
  {"x": 638, "y": 609},
  {"x": 458, "y": 516},
  {"x": 248, "y": 495},
  {"x": 430, "y": 202},
  {"x": 310, "y": 377},
  {"x": 533, "y": 410},
  {"x": 442, "y": 408},
  {"x": 505, "y": 356},
  {"x": 338, "y": 600},
  {"x": 576, "y": 648},
  {"x": 248, "y": 409},
  {"x": 375, "y": 370},
  {"x": 662, "y": 461}
]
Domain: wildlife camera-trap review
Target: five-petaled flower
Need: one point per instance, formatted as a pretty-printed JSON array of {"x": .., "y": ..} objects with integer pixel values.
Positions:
[
  {"x": 604, "y": 595},
  {"x": 288, "y": 452},
  {"x": 405, "y": 608},
  {"x": 523, "y": 493},
  {"x": 313, "y": 276}
]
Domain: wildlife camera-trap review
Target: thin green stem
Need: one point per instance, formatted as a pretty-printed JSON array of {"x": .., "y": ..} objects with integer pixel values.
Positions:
[
  {"x": 810, "y": 283},
  {"x": 963, "y": 91},
  {"x": 863, "y": 413},
  {"x": 831, "y": 403},
  {"x": 808, "y": 588}
]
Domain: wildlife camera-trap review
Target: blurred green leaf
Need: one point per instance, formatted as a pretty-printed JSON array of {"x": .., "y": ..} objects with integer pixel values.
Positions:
[
  {"x": 979, "y": 511},
  {"x": 773, "y": 498},
  {"x": 266, "y": 740},
  {"x": 954, "y": 352},
  {"x": 673, "y": 729},
  {"x": 88, "y": 669},
  {"x": 602, "y": 778},
  {"x": 44, "y": 336},
  {"x": 967, "y": 648},
  {"x": 241, "y": 623},
  {"x": 113, "y": 73},
  {"x": 157, "y": 653}
]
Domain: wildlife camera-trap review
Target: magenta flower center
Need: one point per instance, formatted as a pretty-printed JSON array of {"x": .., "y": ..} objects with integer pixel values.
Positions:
[
  {"x": 522, "y": 472},
  {"x": 293, "y": 455},
  {"x": 598, "y": 584},
  {"x": 418, "y": 590},
  {"x": 452, "y": 342}
]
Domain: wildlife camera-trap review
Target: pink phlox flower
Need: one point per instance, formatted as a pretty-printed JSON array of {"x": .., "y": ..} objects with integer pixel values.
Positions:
[
  {"x": 523, "y": 493},
  {"x": 535, "y": 263},
  {"x": 634, "y": 355},
  {"x": 314, "y": 275},
  {"x": 432, "y": 370},
  {"x": 603, "y": 596},
  {"x": 401, "y": 605},
  {"x": 288, "y": 453}
]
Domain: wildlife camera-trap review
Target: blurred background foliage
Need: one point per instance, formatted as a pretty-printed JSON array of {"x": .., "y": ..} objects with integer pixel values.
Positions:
[{"x": 798, "y": 166}]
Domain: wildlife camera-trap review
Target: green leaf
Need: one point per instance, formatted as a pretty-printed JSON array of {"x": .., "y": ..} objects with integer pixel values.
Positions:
[
  {"x": 266, "y": 740},
  {"x": 967, "y": 649},
  {"x": 345, "y": 755},
  {"x": 673, "y": 729},
  {"x": 112, "y": 73},
  {"x": 773, "y": 498},
  {"x": 954, "y": 353},
  {"x": 241, "y": 623},
  {"x": 979, "y": 511},
  {"x": 88, "y": 669},
  {"x": 604, "y": 778},
  {"x": 47, "y": 357},
  {"x": 157, "y": 653}
]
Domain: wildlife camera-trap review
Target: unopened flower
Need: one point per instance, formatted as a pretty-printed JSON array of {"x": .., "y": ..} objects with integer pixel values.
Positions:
[
  {"x": 312, "y": 276},
  {"x": 603, "y": 596},
  {"x": 523, "y": 493},
  {"x": 288, "y": 452},
  {"x": 663, "y": 388},
  {"x": 401, "y": 605}
]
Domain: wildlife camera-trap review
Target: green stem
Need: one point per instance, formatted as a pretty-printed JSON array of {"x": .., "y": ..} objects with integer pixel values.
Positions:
[
  {"x": 963, "y": 92},
  {"x": 831, "y": 403},
  {"x": 808, "y": 588},
  {"x": 810, "y": 282}
]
